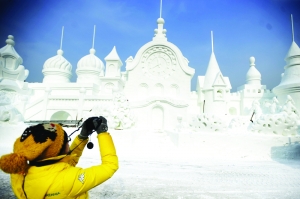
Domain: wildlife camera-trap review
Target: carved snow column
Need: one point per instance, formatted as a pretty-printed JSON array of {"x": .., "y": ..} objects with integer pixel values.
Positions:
[
  {"x": 290, "y": 79},
  {"x": 81, "y": 102},
  {"x": 45, "y": 103}
]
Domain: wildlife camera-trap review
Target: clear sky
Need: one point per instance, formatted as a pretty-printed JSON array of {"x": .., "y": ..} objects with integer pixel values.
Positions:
[{"x": 242, "y": 28}]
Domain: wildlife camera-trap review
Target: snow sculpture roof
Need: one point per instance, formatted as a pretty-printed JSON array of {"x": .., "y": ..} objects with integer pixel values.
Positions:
[
  {"x": 290, "y": 80},
  {"x": 57, "y": 69},
  {"x": 90, "y": 61},
  {"x": 212, "y": 71},
  {"x": 291, "y": 76},
  {"x": 89, "y": 65},
  {"x": 293, "y": 51},
  {"x": 160, "y": 40},
  {"x": 113, "y": 55},
  {"x": 10, "y": 52},
  {"x": 10, "y": 62},
  {"x": 253, "y": 76}
]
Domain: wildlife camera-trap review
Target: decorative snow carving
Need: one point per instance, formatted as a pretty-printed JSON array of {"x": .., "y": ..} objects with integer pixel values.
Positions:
[
  {"x": 8, "y": 112},
  {"x": 239, "y": 123},
  {"x": 255, "y": 110},
  {"x": 159, "y": 62},
  {"x": 120, "y": 116},
  {"x": 207, "y": 122},
  {"x": 284, "y": 122},
  {"x": 289, "y": 108}
]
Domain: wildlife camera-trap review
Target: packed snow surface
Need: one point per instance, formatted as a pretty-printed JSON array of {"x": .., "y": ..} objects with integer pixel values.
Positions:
[{"x": 188, "y": 165}]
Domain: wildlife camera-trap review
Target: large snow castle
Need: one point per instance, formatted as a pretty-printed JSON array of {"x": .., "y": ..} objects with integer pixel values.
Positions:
[{"x": 155, "y": 89}]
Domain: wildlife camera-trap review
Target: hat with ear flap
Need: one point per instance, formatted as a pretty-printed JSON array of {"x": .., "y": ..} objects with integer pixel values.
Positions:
[{"x": 36, "y": 143}]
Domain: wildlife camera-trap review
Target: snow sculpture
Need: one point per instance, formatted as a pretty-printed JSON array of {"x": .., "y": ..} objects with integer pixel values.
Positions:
[
  {"x": 240, "y": 122},
  {"x": 89, "y": 68},
  {"x": 57, "y": 69},
  {"x": 120, "y": 115},
  {"x": 253, "y": 76},
  {"x": 12, "y": 73},
  {"x": 279, "y": 121},
  {"x": 290, "y": 80},
  {"x": 255, "y": 110},
  {"x": 274, "y": 106},
  {"x": 289, "y": 108},
  {"x": 10, "y": 63},
  {"x": 207, "y": 122},
  {"x": 8, "y": 113}
]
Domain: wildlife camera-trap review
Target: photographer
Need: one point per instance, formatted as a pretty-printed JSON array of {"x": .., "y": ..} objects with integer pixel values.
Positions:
[{"x": 43, "y": 165}]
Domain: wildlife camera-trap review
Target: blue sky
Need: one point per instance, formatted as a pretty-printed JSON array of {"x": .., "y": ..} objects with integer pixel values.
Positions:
[{"x": 242, "y": 28}]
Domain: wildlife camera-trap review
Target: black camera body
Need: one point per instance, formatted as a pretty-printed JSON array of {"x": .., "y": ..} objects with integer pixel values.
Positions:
[{"x": 90, "y": 124}]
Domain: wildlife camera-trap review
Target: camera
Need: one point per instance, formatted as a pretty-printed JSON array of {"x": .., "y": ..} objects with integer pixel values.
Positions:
[{"x": 90, "y": 123}]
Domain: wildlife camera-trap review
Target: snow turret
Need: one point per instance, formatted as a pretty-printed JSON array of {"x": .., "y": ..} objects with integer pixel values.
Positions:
[
  {"x": 113, "y": 64},
  {"x": 10, "y": 62},
  {"x": 215, "y": 87},
  {"x": 290, "y": 81},
  {"x": 253, "y": 76}
]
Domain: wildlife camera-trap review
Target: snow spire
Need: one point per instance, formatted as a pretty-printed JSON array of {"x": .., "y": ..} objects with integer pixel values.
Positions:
[
  {"x": 212, "y": 41},
  {"x": 292, "y": 27},
  {"x": 160, "y": 12},
  {"x": 61, "y": 39},
  {"x": 94, "y": 36}
]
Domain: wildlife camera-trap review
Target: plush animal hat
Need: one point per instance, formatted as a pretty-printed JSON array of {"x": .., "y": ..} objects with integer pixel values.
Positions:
[{"x": 36, "y": 143}]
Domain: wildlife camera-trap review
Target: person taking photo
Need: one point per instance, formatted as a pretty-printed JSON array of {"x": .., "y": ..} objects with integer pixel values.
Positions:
[{"x": 43, "y": 165}]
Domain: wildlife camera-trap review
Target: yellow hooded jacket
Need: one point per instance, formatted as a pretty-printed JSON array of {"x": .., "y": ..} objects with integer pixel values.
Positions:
[{"x": 63, "y": 179}]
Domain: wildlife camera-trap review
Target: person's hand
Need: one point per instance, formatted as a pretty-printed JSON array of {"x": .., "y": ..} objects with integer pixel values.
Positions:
[
  {"x": 87, "y": 128},
  {"x": 100, "y": 124}
]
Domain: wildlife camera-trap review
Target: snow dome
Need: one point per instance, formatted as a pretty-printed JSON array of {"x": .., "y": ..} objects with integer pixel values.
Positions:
[
  {"x": 89, "y": 68},
  {"x": 57, "y": 69},
  {"x": 253, "y": 75}
]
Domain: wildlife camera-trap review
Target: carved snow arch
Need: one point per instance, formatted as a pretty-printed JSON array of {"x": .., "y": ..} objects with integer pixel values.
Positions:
[
  {"x": 157, "y": 118},
  {"x": 143, "y": 90},
  {"x": 61, "y": 115}
]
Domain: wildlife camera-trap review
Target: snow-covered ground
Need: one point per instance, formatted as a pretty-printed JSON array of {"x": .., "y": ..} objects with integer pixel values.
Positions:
[{"x": 188, "y": 165}]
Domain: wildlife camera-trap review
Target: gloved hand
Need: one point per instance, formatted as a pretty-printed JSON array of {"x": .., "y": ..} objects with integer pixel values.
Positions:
[
  {"x": 87, "y": 128},
  {"x": 100, "y": 124}
]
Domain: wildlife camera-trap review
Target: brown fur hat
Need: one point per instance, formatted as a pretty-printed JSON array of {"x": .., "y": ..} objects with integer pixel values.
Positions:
[{"x": 36, "y": 143}]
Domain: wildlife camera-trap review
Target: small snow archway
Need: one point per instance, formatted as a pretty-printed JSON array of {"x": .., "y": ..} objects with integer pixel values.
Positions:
[
  {"x": 61, "y": 115},
  {"x": 157, "y": 118}
]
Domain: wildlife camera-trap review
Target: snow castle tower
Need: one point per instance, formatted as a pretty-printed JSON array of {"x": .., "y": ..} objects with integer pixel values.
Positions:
[
  {"x": 12, "y": 73},
  {"x": 290, "y": 79},
  {"x": 14, "y": 91},
  {"x": 213, "y": 88},
  {"x": 252, "y": 90},
  {"x": 158, "y": 82}
]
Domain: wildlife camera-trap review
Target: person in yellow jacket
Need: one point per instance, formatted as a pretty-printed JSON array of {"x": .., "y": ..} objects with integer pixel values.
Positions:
[{"x": 42, "y": 164}]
